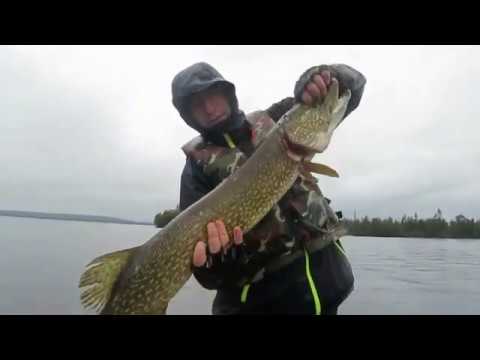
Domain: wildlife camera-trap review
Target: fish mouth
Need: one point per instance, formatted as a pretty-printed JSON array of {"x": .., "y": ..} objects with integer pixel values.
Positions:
[{"x": 297, "y": 152}]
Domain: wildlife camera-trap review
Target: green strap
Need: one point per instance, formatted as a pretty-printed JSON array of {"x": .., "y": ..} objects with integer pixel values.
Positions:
[
  {"x": 243, "y": 297},
  {"x": 311, "y": 283},
  {"x": 318, "y": 306},
  {"x": 229, "y": 141},
  {"x": 339, "y": 247}
]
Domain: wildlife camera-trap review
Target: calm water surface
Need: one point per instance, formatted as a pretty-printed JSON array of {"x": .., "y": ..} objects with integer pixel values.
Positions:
[{"x": 41, "y": 261}]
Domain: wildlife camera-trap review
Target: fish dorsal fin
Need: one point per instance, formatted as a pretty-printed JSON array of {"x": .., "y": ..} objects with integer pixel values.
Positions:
[
  {"x": 96, "y": 283},
  {"x": 319, "y": 169}
]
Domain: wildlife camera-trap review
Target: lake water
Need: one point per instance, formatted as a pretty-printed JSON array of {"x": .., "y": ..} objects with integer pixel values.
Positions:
[{"x": 41, "y": 261}]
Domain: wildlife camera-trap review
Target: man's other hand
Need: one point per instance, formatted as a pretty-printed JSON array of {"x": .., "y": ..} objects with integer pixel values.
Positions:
[
  {"x": 316, "y": 89},
  {"x": 217, "y": 241}
]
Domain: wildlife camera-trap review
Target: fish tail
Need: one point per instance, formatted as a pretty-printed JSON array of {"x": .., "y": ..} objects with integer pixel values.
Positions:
[{"x": 97, "y": 282}]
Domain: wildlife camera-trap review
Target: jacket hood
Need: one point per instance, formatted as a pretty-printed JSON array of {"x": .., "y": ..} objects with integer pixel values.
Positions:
[{"x": 199, "y": 77}]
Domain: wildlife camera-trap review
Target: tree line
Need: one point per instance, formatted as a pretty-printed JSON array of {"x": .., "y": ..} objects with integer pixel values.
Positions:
[{"x": 435, "y": 227}]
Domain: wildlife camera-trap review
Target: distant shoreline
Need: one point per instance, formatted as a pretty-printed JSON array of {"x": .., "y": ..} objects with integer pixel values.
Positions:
[
  {"x": 414, "y": 237},
  {"x": 70, "y": 217}
]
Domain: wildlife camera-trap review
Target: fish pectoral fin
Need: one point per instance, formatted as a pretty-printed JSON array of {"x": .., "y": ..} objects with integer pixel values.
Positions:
[
  {"x": 319, "y": 169},
  {"x": 97, "y": 281}
]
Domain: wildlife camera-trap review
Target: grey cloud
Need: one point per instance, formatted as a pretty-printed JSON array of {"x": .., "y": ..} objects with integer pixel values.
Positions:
[{"x": 114, "y": 149}]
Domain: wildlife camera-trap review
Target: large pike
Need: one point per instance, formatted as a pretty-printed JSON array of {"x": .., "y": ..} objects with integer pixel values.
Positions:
[{"x": 143, "y": 279}]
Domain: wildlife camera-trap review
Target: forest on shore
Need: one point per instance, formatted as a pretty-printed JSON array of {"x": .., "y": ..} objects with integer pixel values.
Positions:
[{"x": 413, "y": 226}]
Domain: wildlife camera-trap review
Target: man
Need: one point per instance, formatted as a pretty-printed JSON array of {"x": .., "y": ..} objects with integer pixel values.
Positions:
[{"x": 270, "y": 269}]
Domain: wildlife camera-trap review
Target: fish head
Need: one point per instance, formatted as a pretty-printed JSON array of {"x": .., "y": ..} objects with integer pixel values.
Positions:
[{"x": 308, "y": 129}]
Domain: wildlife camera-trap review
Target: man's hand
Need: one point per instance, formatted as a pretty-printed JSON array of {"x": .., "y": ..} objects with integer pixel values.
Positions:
[
  {"x": 316, "y": 89},
  {"x": 217, "y": 241}
]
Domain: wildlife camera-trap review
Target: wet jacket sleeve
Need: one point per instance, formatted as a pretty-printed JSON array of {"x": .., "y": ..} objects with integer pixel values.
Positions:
[
  {"x": 278, "y": 109},
  {"x": 194, "y": 185},
  {"x": 347, "y": 77}
]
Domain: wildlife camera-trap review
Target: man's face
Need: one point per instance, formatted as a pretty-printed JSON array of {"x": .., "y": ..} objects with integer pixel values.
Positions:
[{"x": 210, "y": 107}]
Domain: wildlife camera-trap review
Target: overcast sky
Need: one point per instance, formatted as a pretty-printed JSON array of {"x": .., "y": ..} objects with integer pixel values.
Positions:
[{"x": 92, "y": 129}]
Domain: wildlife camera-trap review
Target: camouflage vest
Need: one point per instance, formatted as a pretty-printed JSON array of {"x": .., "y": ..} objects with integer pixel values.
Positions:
[{"x": 303, "y": 212}]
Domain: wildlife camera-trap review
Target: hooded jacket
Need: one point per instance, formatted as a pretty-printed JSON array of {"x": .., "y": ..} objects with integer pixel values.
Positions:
[
  {"x": 331, "y": 270},
  {"x": 197, "y": 78}
]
